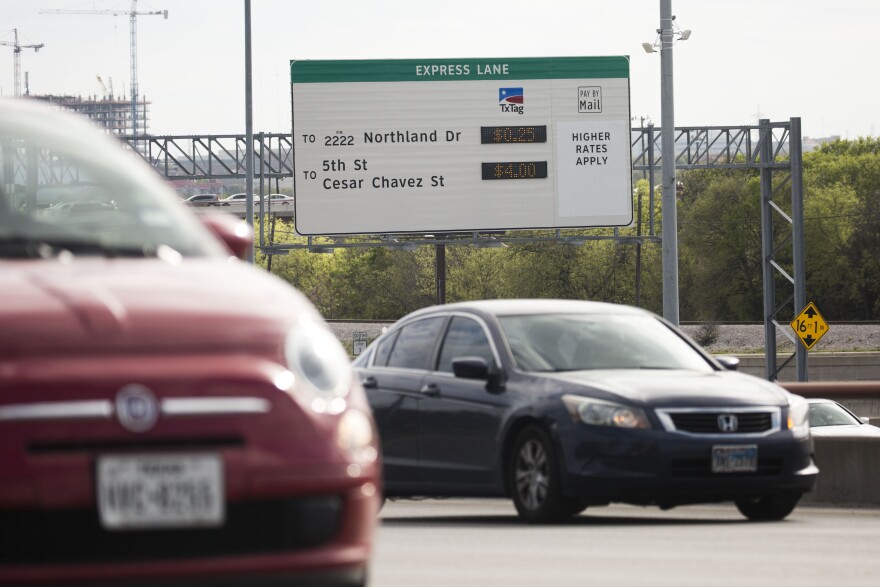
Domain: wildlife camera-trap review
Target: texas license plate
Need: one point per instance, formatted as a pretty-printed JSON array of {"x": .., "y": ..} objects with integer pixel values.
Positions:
[
  {"x": 735, "y": 459},
  {"x": 160, "y": 491}
]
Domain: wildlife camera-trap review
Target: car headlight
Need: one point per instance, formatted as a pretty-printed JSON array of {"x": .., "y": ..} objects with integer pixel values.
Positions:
[
  {"x": 355, "y": 435},
  {"x": 598, "y": 412},
  {"x": 320, "y": 366},
  {"x": 798, "y": 416}
]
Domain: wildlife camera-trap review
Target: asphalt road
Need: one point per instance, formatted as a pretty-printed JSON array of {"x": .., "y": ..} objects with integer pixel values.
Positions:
[{"x": 480, "y": 543}]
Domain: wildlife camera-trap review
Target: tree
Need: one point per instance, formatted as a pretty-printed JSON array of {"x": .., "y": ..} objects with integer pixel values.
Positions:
[
  {"x": 845, "y": 176},
  {"x": 720, "y": 235},
  {"x": 476, "y": 274}
]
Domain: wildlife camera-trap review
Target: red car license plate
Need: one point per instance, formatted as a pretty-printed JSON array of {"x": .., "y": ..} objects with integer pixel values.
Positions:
[{"x": 160, "y": 491}]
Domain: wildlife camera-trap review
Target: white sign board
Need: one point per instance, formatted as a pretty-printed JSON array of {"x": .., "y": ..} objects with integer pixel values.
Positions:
[
  {"x": 358, "y": 342},
  {"x": 461, "y": 144}
]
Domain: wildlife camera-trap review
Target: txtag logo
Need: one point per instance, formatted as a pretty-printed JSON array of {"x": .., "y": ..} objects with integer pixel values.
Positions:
[{"x": 511, "y": 100}]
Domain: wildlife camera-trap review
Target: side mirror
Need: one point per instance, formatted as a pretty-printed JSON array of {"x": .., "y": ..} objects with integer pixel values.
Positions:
[
  {"x": 479, "y": 368},
  {"x": 470, "y": 367},
  {"x": 728, "y": 362},
  {"x": 234, "y": 233}
]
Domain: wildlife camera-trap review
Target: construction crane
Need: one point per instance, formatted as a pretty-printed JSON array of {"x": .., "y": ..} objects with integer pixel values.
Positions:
[
  {"x": 132, "y": 16},
  {"x": 16, "y": 57},
  {"x": 108, "y": 93}
]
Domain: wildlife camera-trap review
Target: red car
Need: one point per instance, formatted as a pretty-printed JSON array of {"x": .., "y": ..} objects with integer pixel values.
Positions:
[{"x": 169, "y": 415}]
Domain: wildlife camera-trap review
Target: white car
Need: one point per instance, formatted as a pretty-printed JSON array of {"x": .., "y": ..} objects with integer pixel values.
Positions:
[
  {"x": 203, "y": 200},
  {"x": 829, "y": 418},
  {"x": 274, "y": 198},
  {"x": 240, "y": 198},
  {"x": 279, "y": 199}
]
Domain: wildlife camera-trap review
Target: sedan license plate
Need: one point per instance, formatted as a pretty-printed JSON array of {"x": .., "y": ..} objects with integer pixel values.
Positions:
[
  {"x": 735, "y": 459},
  {"x": 160, "y": 491}
]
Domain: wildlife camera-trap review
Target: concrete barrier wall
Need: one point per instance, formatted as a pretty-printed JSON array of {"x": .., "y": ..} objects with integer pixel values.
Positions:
[
  {"x": 849, "y": 472},
  {"x": 821, "y": 366}
]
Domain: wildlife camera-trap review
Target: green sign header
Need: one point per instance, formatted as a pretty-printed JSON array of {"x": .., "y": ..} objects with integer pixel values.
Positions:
[{"x": 444, "y": 70}]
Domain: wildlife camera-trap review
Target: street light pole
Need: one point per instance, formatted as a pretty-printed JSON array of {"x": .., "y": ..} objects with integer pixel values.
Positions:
[
  {"x": 249, "y": 128},
  {"x": 667, "y": 146}
]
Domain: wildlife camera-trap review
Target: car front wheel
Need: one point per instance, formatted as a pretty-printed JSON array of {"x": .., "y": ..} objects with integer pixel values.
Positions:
[
  {"x": 768, "y": 508},
  {"x": 534, "y": 479}
]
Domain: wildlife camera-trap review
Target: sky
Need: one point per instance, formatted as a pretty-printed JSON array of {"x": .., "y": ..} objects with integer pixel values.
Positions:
[{"x": 744, "y": 60}]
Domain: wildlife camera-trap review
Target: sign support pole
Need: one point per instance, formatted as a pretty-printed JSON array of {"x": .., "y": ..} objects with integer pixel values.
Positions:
[
  {"x": 440, "y": 272},
  {"x": 797, "y": 217},
  {"x": 767, "y": 248}
]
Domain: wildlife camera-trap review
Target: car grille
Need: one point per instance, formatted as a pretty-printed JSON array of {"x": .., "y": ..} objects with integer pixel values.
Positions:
[
  {"x": 730, "y": 422},
  {"x": 57, "y": 537},
  {"x": 707, "y": 422},
  {"x": 130, "y": 445}
]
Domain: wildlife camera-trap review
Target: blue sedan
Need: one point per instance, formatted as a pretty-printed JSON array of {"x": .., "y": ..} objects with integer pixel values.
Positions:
[{"x": 561, "y": 405}]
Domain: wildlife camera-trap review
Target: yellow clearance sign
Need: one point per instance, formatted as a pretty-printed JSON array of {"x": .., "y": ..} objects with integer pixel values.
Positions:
[{"x": 809, "y": 325}]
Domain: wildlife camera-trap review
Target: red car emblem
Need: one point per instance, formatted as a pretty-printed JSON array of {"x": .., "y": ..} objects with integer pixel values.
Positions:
[{"x": 137, "y": 408}]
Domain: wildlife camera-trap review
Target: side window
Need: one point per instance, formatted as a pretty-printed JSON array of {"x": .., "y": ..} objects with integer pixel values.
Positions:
[
  {"x": 464, "y": 338},
  {"x": 383, "y": 351},
  {"x": 415, "y": 344}
]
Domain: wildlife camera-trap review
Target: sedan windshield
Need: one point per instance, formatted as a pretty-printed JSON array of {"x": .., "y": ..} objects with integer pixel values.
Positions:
[
  {"x": 576, "y": 342},
  {"x": 830, "y": 414}
]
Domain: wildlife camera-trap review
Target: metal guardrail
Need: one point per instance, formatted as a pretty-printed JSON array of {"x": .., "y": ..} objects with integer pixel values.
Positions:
[{"x": 834, "y": 389}]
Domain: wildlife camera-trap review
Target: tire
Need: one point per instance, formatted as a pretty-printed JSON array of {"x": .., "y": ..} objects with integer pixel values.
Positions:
[
  {"x": 534, "y": 480},
  {"x": 768, "y": 508}
]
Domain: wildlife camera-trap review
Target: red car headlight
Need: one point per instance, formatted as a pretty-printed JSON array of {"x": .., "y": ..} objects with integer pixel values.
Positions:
[
  {"x": 320, "y": 366},
  {"x": 356, "y": 436}
]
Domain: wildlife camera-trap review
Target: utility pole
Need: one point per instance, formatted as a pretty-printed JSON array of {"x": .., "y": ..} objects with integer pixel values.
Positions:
[
  {"x": 667, "y": 146},
  {"x": 249, "y": 128},
  {"x": 666, "y": 36},
  {"x": 132, "y": 21},
  {"x": 16, "y": 58}
]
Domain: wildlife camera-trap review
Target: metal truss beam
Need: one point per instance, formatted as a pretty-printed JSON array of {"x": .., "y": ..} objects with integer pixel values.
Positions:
[{"x": 215, "y": 156}]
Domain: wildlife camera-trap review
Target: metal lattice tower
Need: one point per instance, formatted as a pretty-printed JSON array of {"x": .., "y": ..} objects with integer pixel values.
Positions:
[
  {"x": 132, "y": 19},
  {"x": 16, "y": 57}
]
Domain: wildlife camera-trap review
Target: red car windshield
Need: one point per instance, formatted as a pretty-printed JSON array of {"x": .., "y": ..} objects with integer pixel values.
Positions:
[{"x": 56, "y": 196}]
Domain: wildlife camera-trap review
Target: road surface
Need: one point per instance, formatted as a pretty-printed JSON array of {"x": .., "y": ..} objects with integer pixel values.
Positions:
[{"x": 481, "y": 543}]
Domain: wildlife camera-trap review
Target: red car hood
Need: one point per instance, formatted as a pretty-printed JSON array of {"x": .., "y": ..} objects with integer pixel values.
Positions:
[{"x": 51, "y": 307}]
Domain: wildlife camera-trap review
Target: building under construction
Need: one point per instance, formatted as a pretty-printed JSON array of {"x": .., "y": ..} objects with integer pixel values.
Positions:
[{"x": 112, "y": 114}]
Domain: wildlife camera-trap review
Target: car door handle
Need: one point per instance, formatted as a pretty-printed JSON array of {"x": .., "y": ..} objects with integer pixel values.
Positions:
[
  {"x": 370, "y": 382},
  {"x": 431, "y": 389}
]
